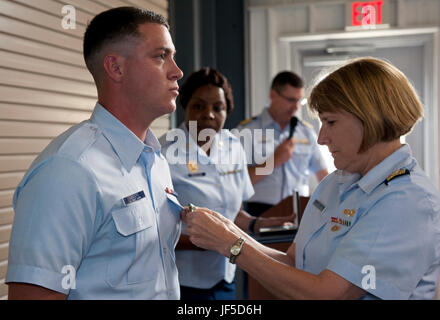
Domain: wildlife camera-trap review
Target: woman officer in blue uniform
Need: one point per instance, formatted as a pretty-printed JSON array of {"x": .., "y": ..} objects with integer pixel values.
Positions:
[
  {"x": 371, "y": 230},
  {"x": 208, "y": 168}
]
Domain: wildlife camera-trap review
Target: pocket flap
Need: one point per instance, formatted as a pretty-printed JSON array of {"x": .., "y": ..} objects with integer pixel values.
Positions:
[
  {"x": 173, "y": 200},
  {"x": 131, "y": 219}
]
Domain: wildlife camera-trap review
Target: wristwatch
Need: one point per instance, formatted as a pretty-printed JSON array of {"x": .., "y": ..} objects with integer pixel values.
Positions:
[{"x": 235, "y": 250}]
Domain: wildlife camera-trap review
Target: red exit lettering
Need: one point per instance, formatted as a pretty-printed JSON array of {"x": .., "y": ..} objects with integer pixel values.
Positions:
[{"x": 366, "y": 13}]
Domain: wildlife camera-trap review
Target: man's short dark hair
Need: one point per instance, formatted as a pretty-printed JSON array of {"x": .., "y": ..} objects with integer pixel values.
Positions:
[
  {"x": 115, "y": 25},
  {"x": 287, "y": 77},
  {"x": 203, "y": 77}
]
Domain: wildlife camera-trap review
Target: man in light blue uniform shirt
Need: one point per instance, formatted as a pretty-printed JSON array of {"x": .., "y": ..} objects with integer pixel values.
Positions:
[
  {"x": 294, "y": 159},
  {"x": 92, "y": 217},
  {"x": 375, "y": 212},
  {"x": 220, "y": 182}
]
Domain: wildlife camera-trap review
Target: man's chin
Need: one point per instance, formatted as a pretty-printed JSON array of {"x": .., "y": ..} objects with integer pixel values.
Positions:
[{"x": 169, "y": 109}]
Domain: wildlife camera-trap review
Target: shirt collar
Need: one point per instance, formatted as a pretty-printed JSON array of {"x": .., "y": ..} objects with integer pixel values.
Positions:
[
  {"x": 267, "y": 120},
  {"x": 126, "y": 144},
  {"x": 401, "y": 158},
  {"x": 218, "y": 145}
]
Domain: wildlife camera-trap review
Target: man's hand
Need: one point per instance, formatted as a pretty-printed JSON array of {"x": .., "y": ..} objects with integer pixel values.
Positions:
[{"x": 284, "y": 151}]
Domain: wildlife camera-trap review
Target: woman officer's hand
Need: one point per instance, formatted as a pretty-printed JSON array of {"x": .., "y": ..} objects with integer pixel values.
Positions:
[{"x": 210, "y": 230}]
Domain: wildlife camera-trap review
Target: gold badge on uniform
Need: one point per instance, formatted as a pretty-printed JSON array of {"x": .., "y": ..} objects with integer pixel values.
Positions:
[
  {"x": 192, "y": 166},
  {"x": 335, "y": 228},
  {"x": 349, "y": 212},
  {"x": 302, "y": 141}
]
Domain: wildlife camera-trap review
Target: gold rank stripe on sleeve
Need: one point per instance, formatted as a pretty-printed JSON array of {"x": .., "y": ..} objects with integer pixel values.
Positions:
[
  {"x": 224, "y": 173},
  {"x": 397, "y": 173},
  {"x": 301, "y": 141},
  {"x": 245, "y": 122}
]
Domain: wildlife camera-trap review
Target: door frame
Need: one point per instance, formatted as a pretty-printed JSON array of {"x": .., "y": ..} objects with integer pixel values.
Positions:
[{"x": 428, "y": 38}]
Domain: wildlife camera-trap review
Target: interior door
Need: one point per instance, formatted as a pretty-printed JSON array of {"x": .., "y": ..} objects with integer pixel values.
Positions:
[{"x": 408, "y": 59}]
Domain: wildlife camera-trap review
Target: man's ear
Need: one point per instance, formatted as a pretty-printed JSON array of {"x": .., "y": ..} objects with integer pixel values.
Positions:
[
  {"x": 272, "y": 94},
  {"x": 114, "y": 66}
]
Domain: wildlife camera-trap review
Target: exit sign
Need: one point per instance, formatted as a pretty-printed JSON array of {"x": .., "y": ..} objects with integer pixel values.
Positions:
[{"x": 367, "y": 15}]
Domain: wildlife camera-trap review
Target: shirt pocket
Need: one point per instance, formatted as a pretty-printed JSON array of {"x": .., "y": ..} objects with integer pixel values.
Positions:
[
  {"x": 133, "y": 237},
  {"x": 131, "y": 219},
  {"x": 301, "y": 156}
]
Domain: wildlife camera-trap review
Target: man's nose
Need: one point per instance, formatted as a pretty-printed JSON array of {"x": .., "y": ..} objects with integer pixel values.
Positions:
[{"x": 176, "y": 73}]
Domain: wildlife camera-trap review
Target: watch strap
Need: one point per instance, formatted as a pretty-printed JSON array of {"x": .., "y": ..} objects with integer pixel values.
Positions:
[{"x": 239, "y": 245}]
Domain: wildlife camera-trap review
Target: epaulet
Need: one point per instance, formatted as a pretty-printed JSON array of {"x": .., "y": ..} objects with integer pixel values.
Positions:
[
  {"x": 306, "y": 124},
  {"x": 397, "y": 173},
  {"x": 245, "y": 122}
]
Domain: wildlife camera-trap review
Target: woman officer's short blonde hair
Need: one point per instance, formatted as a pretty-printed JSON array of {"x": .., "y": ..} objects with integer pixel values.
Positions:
[{"x": 374, "y": 91}]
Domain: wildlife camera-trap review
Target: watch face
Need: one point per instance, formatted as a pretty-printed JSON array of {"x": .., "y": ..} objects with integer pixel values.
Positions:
[{"x": 235, "y": 250}]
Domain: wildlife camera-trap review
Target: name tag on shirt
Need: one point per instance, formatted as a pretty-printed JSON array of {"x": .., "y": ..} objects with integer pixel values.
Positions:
[
  {"x": 134, "y": 197},
  {"x": 319, "y": 205}
]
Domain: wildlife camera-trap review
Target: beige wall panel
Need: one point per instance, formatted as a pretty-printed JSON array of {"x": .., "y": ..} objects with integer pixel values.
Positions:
[
  {"x": 50, "y": 99},
  {"x": 10, "y": 180},
  {"x": 159, "y": 131},
  {"x": 3, "y": 290},
  {"x": 6, "y": 197},
  {"x": 41, "y": 114},
  {"x": 22, "y": 145},
  {"x": 162, "y": 121},
  {"x": 26, "y": 63},
  {"x": 6, "y": 217},
  {"x": 3, "y": 268},
  {"x": 41, "y": 50},
  {"x": 86, "y": 5},
  {"x": 21, "y": 12},
  {"x": 36, "y": 81},
  {"x": 30, "y": 129},
  {"x": 4, "y": 250},
  {"x": 54, "y": 8},
  {"x": 10, "y": 163},
  {"x": 160, "y": 3},
  {"x": 150, "y": 6},
  {"x": 25, "y": 30},
  {"x": 112, "y": 3},
  {"x": 5, "y": 232}
]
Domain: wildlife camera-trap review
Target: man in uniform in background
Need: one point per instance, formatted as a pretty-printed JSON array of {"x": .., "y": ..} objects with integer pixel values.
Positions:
[{"x": 293, "y": 148}]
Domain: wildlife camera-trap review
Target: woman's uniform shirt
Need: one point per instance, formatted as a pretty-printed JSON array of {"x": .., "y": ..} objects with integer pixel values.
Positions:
[
  {"x": 92, "y": 218},
  {"x": 219, "y": 182},
  {"x": 381, "y": 231},
  {"x": 294, "y": 174}
]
